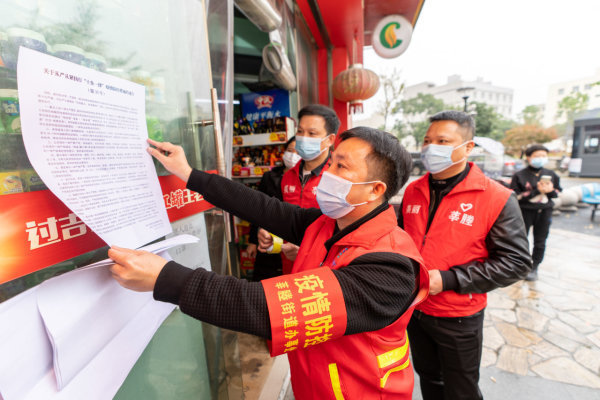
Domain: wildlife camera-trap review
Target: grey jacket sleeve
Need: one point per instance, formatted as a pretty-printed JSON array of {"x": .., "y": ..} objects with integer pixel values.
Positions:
[{"x": 508, "y": 259}]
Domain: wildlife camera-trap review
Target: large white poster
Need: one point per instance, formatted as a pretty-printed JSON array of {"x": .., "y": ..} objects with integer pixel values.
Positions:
[{"x": 85, "y": 134}]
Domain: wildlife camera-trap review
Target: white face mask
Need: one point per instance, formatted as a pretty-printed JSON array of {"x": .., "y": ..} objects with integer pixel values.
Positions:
[
  {"x": 331, "y": 195},
  {"x": 290, "y": 159},
  {"x": 437, "y": 158}
]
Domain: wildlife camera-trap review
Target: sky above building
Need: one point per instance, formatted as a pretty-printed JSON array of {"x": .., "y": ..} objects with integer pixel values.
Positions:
[{"x": 525, "y": 45}]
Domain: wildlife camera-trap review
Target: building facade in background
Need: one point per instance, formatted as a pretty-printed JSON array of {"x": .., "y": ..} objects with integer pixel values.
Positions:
[
  {"x": 560, "y": 90},
  {"x": 455, "y": 88}
]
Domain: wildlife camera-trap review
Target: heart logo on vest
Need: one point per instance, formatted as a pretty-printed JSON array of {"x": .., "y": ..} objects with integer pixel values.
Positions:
[{"x": 466, "y": 206}]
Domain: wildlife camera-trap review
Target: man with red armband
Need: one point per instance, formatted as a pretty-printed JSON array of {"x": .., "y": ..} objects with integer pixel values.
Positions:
[{"x": 341, "y": 315}]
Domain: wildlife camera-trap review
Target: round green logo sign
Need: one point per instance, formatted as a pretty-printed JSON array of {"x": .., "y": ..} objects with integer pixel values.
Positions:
[{"x": 388, "y": 37}]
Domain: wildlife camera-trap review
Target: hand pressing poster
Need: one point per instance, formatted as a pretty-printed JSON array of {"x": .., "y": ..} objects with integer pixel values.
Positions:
[{"x": 85, "y": 134}]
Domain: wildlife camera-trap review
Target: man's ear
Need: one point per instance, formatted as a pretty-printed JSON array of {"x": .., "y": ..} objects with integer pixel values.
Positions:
[
  {"x": 470, "y": 145},
  {"x": 378, "y": 190},
  {"x": 331, "y": 139}
]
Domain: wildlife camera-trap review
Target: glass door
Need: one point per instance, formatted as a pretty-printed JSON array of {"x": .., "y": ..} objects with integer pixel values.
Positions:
[{"x": 164, "y": 46}]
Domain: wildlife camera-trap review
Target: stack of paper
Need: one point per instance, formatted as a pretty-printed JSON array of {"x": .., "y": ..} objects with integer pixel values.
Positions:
[{"x": 78, "y": 331}]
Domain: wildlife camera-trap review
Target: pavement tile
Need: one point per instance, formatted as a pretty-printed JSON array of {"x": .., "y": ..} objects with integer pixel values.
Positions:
[
  {"x": 500, "y": 301},
  {"x": 502, "y": 315},
  {"x": 533, "y": 359},
  {"x": 531, "y": 319},
  {"x": 517, "y": 291},
  {"x": 592, "y": 316},
  {"x": 539, "y": 305},
  {"x": 488, "y": 357},
  {"x": 575, "y": 322},
  {"x": 566, "y": 370},
  {"x": 563, "y": 303},
  {"x": 548, "y": 286},
  {"x": 565, "y": 330},
  {"x": 513, "y": 359},
  {"x": 594, "y": 338},
  {"x": 512, "y": 335},
  {"x": 547, "y": 350},
  {"x": 589, "y": 358},
  {"x": 590, "y": 282},
  {"x": 492, "y": 338},
  {"x": 561, "y": 341},
  {"x": 531, "y": 335}
]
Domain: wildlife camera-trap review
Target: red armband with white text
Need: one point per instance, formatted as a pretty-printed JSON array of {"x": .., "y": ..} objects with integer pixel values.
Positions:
[{"x": 305, "y": 309}]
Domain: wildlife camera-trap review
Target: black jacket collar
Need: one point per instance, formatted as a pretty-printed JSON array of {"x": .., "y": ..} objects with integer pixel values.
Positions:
[{"x": 337, "y": 234}]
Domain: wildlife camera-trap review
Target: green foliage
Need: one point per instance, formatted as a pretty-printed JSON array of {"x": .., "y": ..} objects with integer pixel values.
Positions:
[
  {"x": 531, "y": 115},
  {"x": 489, "y": 123},
  {"x": 392, "y": 88},
  {"x": 80, "y": 31},
  {"x": 416, "y": 112},
  {"x": 571, "y": 105}
]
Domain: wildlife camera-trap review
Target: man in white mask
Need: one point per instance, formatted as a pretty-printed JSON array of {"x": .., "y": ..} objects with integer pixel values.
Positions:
[
  {"x": 470, "y": 233},
  {"x": 341, "y": 315},
  {"x": 270, "y": 265}
]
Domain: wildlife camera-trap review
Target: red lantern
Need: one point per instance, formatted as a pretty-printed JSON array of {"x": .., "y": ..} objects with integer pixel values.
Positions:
[{"x": 355, "y": 85}]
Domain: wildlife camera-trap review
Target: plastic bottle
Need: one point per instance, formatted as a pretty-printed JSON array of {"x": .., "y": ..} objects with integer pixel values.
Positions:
[
  {"x": 70, "y": 53},
  {"x": 21, "y": 37},
  {"x": 95, "y": 61},
  {"x": 9, "y": 105}
]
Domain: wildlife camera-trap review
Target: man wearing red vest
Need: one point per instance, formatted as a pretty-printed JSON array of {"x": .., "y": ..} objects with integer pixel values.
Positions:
[
  {"x": 341, "y": 315},
  {"x": 471, "y": 235},
  {"x": 317, "y": 127}
]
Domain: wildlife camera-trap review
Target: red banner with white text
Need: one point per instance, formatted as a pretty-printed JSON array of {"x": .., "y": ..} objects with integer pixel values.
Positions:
[{"x": 38, "y": 230}]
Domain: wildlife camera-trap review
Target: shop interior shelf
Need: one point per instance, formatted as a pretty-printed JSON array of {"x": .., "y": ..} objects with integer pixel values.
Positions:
[{"x": 260, "y": 139}]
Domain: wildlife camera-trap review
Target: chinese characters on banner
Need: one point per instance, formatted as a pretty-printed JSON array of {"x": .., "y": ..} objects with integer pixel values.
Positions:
[
  {"x": 181, "y": 202},
  {"x": 265, "y": 105},
  {"x": 40, "y": 231},
  {"x": 305, "y": 309}
]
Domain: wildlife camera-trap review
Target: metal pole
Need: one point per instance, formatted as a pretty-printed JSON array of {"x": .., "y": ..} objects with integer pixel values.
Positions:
[
  {"x": 221, "y": 167},
  {"x": 219, "y": 149},
  {"x": 465, "y": 99}
]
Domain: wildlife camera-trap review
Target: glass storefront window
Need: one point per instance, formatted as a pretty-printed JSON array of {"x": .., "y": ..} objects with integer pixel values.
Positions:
[{"x": 164, "y": 46}]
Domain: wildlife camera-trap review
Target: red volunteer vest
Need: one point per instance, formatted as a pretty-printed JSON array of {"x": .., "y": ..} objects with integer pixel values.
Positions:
[
  {"x": 303, "y": 196},
  {"x": 293, "y": 191},
  {"x": 456, "y": 235},
  {"x": 369, "y": 365}
]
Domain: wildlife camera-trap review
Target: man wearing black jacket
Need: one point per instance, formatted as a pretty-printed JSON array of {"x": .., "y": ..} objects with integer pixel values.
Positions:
[
  {"x": 535, "y": 187},
  {"x": 341, "y": 314},
  {"x": 470, "y": 233}
]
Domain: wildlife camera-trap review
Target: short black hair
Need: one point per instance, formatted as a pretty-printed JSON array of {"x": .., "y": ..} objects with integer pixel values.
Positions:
[
  {"x": 463, "y": 119},
  {"x": 388, "y": 161},
  {"x": 535, "y": 147},
  {"x": 290, "y": 140},
  {"x": 332, "y": 122}
]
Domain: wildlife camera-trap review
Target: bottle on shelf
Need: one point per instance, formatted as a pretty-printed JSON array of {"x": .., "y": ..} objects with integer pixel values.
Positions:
[{"x": 249, "y": 130}]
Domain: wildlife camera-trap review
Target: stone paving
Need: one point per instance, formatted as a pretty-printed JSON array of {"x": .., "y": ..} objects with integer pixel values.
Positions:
[{"x": 550, "y": 328}]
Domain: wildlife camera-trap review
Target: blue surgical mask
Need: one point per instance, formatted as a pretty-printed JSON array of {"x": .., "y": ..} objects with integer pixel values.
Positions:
[
  {"x": 331, "y": 195},
  {"x": 538, "y": 162},
  {"x": 309, "y": 148},
  {"x": 437, "y": 158}
]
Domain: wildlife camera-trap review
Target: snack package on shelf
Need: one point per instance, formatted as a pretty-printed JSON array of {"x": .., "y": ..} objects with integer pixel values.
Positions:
[{"x": 255, "y": 161}]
